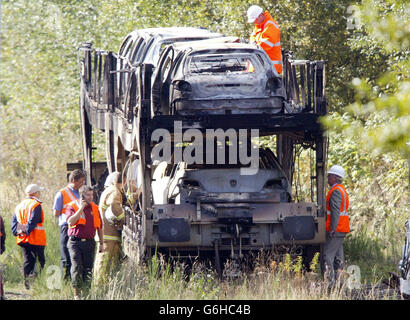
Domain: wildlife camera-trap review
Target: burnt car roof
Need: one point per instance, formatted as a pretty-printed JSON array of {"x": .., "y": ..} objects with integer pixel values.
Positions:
[
  {"x": 246, "y": 82},
  {"x": 156, "y": 37},
  {"x": 211, "y": 44},
  {"x": 217, "y": 46},
  {"x": 172, "y": 33},
  {"x": 176, "y": 32}
]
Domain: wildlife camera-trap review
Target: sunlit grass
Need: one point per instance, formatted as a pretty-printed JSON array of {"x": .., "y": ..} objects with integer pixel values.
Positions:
[{"x": 270, "y": 279}]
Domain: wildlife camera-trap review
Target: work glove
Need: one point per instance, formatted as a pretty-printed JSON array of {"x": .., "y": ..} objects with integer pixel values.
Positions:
[{"x": 113, "y": 220}]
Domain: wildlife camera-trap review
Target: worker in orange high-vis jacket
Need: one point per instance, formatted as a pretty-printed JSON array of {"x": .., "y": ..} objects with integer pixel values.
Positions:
[
  {"x": 28, "y": 226},
  {"x": 266, "y": 34},
  {"x": 337, "y": 223},
  {"x": 63, "y": 197},
  {"x": 84, "y": 221}
]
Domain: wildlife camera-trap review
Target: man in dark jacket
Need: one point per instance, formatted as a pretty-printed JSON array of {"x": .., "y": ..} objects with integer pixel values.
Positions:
[{"x": 2, "y": 249}]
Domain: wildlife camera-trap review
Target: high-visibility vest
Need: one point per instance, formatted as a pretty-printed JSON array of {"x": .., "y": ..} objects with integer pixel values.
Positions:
[
  {"x": 343, "y": 225},
  {"x": 68, "y": 196},
  {"x": 23, "y": 213},
  {"x": 267, "y": 36},
  {"x": 82, "y": 220}
]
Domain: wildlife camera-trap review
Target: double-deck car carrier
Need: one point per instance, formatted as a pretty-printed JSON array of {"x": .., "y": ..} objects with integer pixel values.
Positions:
[{"x": 211, "y": 209}]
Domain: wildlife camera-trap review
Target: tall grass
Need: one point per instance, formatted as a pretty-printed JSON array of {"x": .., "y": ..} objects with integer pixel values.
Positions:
[
  {"x": 376, "y": 254},
  {"x": 280, "y": 279},
  {"x": 159, "y": 279}
]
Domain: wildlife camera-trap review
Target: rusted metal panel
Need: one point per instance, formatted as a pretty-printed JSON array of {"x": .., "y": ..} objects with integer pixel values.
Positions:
[{"x": 261, "y": 212}]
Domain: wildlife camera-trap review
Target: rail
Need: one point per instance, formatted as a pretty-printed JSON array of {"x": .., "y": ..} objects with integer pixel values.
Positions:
[
  {"x": 304, "y": 82},
  {"x": 110, "y": 80}
]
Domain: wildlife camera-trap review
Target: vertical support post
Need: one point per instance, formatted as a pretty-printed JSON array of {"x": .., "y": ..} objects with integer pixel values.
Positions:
[
  {"x": 320, "y": 173},
  {"x": 289, "y": 82},
  {"x": 87, "y": 63},
  {"x": 108, "y": 99},
  {"x": 113, "y": 79},
  {"x": 284, "y": 151},
  {"x": 132, "y": 97},
  {"x": 285, "y": 72},
  {"x": 144, "y": 149},
  {"x": 146, "y": 72},
  {"x": 302, "y": 84},
  {"x": 99, "y": 77},
  {"x": 108, "y": 82},
  {"x": 120, "y": 90},
  {"x": 109, "y": 142},
  {"x": 295, "y": 89},
  {"x": 86, "y": 128},
  {"x": 95, "y": 64},
  {"x": 309, "y": 87},
  {"x": 320, "y": 88},
  {"x": 314, "y": 80}
]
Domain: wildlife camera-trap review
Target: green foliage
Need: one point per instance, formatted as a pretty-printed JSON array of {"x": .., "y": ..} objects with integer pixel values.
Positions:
[
  {"x": 370, "y": 139},
  {"x": 376, "y": 255},
  {"x": 315, "y": 263},
  {"x": 380, "y": 114}
]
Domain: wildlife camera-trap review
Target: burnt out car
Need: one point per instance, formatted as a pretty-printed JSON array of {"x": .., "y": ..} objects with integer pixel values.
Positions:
[
  {"x": 146, "y": 45},
  {"x": 221, "y": 182},
  {"x": 198, "y": 205},
  {"x": 211, "y": 77}
]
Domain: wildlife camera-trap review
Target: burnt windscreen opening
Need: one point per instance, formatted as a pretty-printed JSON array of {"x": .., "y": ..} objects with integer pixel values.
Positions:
[
  {"x": 227, "y": 157},
  {"x": 221, "y": 64}
]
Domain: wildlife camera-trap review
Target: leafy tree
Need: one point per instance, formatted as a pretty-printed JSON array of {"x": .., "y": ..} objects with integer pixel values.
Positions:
[{"x": 380, "y": 115}]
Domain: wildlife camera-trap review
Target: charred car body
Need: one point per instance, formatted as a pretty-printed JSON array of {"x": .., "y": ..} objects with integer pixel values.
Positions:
[
  {"x": 198, "y": 205},
  {"x": 207, "y": 77},
  {"x": 200, "y": 208}
]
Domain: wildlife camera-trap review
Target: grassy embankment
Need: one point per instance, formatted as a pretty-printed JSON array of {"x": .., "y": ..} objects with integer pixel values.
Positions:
[{"x": 270, "y": 280}]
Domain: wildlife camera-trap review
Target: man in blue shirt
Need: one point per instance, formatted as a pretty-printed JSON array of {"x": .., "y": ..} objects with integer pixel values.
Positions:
[{"x": 61, "y": 200}]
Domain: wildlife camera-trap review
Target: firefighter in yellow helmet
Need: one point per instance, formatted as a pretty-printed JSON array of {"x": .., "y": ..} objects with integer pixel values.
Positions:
[{"x": 111, "y": 208}]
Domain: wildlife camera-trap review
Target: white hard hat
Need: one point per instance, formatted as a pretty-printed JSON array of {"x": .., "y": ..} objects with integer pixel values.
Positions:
[
  {"x": 337, "y": 171},
  {"x": 33, "y": 188},
  {"x": 253, "y": 12},
  {"x": 112, "y": 177}
]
